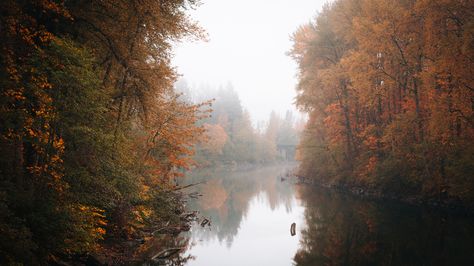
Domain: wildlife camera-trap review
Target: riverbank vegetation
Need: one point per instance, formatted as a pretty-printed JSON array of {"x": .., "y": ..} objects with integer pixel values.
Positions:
[
  {"x": 91, "y": 129},
  {"x": 389, "y": 89}
]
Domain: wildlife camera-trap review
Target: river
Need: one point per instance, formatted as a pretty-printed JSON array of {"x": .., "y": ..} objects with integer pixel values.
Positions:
[{"x": 251, "y": 211}]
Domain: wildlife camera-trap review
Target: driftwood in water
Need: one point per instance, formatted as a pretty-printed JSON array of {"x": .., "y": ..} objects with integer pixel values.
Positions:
[
  {"x": 167, "y": 253},
  {"x": 293, "y": 229},
  {"x": 206, "y": 222}
]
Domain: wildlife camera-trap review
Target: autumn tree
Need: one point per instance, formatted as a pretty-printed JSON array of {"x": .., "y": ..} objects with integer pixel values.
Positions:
[
  {"x": 387, "y": 85},
  {"x": 92, "y": 131}
]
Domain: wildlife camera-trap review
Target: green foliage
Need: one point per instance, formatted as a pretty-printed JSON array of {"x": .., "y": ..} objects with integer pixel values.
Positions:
[{"x": 98, "y": 170}]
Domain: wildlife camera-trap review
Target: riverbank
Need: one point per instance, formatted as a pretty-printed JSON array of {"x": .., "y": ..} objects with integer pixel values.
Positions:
[
  {"x": 440, "y": 203},
  {"x": 155, "y": 241}
]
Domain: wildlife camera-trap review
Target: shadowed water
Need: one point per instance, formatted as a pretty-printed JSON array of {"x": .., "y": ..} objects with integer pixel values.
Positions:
[{"x": 343, "y": 230}]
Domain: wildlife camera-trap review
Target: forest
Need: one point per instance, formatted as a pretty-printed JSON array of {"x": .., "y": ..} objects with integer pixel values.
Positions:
[
  {"x": 231, "y": 137},
  {"x": 389, "y": 89},
  {"x": 98, "y": 130},
  {"x": 91, "y": 129}
]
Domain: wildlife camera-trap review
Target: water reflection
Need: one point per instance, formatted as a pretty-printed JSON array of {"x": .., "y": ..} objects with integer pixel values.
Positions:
[
  {"x": 172, "y": 256},
  {"x": 250, "y": 212},
  {"x": 345, "y": 231}
]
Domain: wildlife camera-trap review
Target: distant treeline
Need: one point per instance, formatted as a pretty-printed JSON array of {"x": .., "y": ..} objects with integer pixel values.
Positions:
[
  {"x": 91, "y": 129},
  {"x": 231, "y": 139},
  {"x": 389, "y": 88}
]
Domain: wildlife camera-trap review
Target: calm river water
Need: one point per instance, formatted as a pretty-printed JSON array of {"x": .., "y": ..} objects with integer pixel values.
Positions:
[{"x": 251, "y": 213}]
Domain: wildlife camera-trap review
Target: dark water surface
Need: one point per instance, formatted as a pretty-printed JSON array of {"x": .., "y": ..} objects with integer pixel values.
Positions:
[{"x": 251, "y": 213}]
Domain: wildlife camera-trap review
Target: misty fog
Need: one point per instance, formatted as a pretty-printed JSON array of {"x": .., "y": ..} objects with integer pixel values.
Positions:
[{"x": 247, "y": 45}]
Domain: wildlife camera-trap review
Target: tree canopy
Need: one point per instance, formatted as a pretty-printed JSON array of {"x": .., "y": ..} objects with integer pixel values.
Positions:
[
  {"x": 91, "y": 129},
  {"x": 388, "y": 86}
]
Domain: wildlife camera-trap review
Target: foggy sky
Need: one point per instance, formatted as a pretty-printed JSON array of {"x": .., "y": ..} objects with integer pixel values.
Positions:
[{"x": 248, "y": 42}]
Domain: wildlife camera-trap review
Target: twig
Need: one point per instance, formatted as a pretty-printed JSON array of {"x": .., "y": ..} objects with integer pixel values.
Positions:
[
  {"x": 171, "y": 250},
  {"x": 190, "y": 185}
]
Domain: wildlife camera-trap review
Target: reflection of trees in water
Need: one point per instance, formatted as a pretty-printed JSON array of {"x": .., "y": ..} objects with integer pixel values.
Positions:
[
  {"x": 227, "y": 196},
  {"x": 344, "y": 231},
  {"x": 153, "y": 252}
]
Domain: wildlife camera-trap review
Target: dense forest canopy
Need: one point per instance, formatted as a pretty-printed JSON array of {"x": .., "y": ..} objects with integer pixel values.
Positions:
[
  {"x": 389, "y": 88},
  {"x": 91, "y": 129}
]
